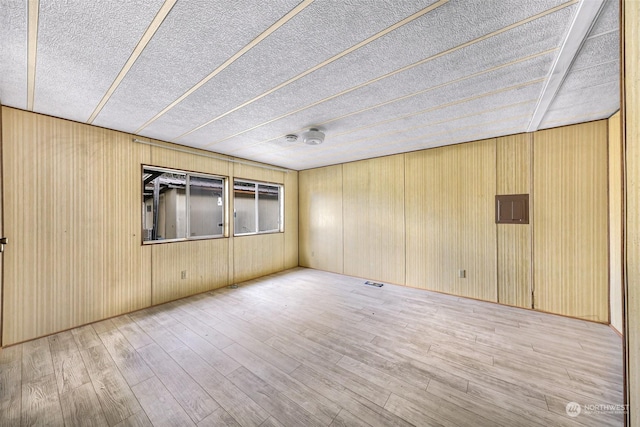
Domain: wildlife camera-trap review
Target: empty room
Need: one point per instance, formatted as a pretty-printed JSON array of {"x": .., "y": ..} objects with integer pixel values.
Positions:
[{"x": 319, "y": 213}]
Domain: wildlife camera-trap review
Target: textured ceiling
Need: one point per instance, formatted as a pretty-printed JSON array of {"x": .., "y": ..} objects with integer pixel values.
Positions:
[{"x": 379, "y": 77}]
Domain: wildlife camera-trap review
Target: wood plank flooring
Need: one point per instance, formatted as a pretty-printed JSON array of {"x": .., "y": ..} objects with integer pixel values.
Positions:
[{"x": 310, "y": 348}]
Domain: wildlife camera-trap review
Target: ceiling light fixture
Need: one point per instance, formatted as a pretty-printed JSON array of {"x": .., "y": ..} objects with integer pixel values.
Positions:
[{"x": 313, "y": 137}]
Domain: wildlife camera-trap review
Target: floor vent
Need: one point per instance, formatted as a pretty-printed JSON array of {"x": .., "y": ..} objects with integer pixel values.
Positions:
[{"x": 377, "y": 285}]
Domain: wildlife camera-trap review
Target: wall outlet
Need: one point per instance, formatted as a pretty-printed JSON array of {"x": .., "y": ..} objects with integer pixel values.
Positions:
[
  {"x": 183, "y": 274},
  {"x": 462, "y": 274}
]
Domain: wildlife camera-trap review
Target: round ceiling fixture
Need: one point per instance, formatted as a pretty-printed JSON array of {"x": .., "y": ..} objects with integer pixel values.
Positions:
[
  {"x": 313, "y": 137},
  {"x": 291, "y": 137}
]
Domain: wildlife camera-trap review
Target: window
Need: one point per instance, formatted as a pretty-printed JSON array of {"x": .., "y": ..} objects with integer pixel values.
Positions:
[
  {"x": 258, "y": 207},
  {"x": 180, "y": 205}
]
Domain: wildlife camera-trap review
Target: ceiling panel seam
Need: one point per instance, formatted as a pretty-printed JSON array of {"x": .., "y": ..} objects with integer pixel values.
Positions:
[
  {"x": 399, "y": 70},
  {"x": 583, "y": 21},
  {"x": 279, "y": 23},
  {"x": 564, "y": 120},
  {"x": 320, "y": 65},
  {"x": 329, "y": 148},
  {"x": 594, "y": 65},
  {"x": 162, "y": 14},
  {"x": 433, "y": 144},
  {"x": 446, "y": 131},
  {"x": 604, "y": 33},
  {"x": 497, "y": 133},
  {"x": 34, "y": 12},
  {"x": 493, "y": 110},
  {"x": 428, "y": 110},
  {"x": 420, "y": 92}
]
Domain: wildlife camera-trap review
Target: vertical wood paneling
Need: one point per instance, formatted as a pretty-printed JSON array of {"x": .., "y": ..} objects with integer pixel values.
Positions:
[
  {"x": 73, "y": 205},
  {"x": 205, "y": 263},
  {"x": 320, "y": 212},
  {"x": 450, "y": 225},
  {"x": 631, "y": 143},
  {"x": 291, "y": 220},
  {"x": 513, "y": 175},
  {"x": 570, "y": 210},
  {"x": 513, "y": 164},
  {"x": 73, "y": 223},
  {"x": 374, "y": 219},
  {"x": 256, "y": 256},
  {"x": 615, "y": 221},
  {"x": 127, "y": 265}
]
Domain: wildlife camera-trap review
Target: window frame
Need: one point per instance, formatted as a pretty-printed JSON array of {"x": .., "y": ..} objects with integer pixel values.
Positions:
[
  {"x": 280, "y": 187},
  {"x": 188, "y": 175}
]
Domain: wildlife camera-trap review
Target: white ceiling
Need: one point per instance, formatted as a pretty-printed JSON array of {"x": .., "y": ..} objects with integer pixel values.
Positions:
[{"x": 378, "y": 77}]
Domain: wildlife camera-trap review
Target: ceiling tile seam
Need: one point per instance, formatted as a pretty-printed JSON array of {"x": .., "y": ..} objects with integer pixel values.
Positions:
[
  {"x": 157, "y": 21},
  {"x": 583, "y": 21},
  {"x": 32, "y": 50},
  {"x": 569, "y": 118},
  {"x": 320, "y": 149},
  {"x": 580, "y": 89},
  {"x": 384, "y": 145},
  {"x": 322, "y": 64},
  {"x": 604, "y": 33},
  {"x": 455, "y": 119},
  {"x": 278, "y": 24},
  {"x": 428, "y": 135},
  {"x": 441, "y": 106},
  {"x": 435, "y": 108},
  {"x": 438, "y": 143},
  {"x": 443, "y": 142},
  {"x": 420, "y": 92},
  {"x": 431, "y": 109},
  {"x": 402, "y": 69},
  {"x": 328, "y": 149},
  {"x": 594, "y": 65}
]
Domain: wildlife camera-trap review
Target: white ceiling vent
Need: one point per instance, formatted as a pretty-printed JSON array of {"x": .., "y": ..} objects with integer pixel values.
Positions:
[{"x": 313, "y": 137}]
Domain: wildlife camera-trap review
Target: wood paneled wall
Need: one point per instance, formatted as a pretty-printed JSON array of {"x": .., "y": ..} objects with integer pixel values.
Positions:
[
  {"x": 320, "y": 213},
  {"x": 73, "y": 212},
  {"x": 373, "y": 206},
  {"x": 291, "y": 220},
  {"x": 631, "y": 144},
  {"x": 72, "y": 216},
  {"x": 256, "y": 256},
  {"x": 513, "y": 176},
  {"x": 450, "y": 219},
  {"x": 615, "y": 221},
  {"x": 571, "y": 263},
  {"x": 205, "y": 264}
]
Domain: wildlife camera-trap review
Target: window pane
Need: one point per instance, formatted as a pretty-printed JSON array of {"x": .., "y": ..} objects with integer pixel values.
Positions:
[
  {"x": 268, "y": 208},
  {"x": 244, "y": 204},
  {"x": 165, "y": 205},
  {"x": 205, "y": 206}
]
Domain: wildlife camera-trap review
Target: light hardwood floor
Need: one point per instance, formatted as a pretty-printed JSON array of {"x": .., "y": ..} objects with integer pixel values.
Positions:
[{"x": 310, "y": 348}]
